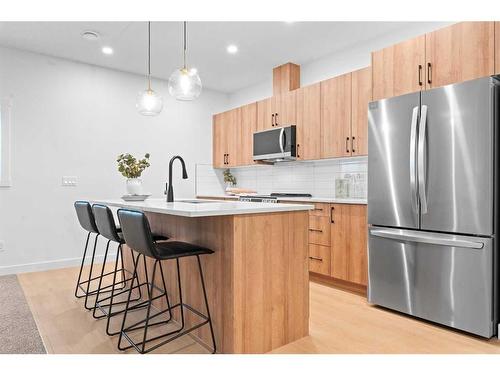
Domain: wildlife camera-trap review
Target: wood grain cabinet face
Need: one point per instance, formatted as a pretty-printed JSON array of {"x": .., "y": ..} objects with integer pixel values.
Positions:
[
  {"x": 265, "y": 120},
  {"x": 309, "y": 122},
  {"x": 339, "y": 240},
  {"x": 319, "y": 230},
  {"x": 357, "y": 271},
  {"x": 336, "y": 116},
  {"x": 399, "y": 69},
  {"x": 233, "y": 137},
  {"x": 459, "y": 53},
  {"x": 319, "y": 259},
  {"x": 248, "y": 127},
  {"x": 497, "y": 47},
  {"x": 227, "y": 138},
  {"x": 361, "y": 96},
  {"x": 284, "y": 107},
  {"x": 219, "y": 140}
]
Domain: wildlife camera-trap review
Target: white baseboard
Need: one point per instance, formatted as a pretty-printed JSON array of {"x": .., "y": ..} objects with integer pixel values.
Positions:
[{"x": 50, "y": 265}]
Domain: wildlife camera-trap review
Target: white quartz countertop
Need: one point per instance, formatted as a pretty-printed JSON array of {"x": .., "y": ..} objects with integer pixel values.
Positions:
[
  {"x": 301, "y": 199},
  {"x": 182, "y": 207}
]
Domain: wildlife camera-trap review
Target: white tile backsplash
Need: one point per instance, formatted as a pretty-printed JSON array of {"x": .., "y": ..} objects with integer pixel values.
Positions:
[{"x": 316, "y": 178}]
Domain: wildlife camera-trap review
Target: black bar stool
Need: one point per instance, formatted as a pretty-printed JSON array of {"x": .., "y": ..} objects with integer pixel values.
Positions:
[
  {"x": 87, "y": 221},
  {"x": 108, "y": 229},
  {"x": 137, "y": 234}
]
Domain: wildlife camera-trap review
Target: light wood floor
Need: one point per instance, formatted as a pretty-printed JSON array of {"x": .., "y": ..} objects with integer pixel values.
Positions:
[{"x": 341, "y": 322}]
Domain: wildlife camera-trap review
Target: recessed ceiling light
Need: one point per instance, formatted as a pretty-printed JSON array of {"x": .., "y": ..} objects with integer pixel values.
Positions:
[
  {"x": 232, "y": 49},
  {"x": 90, "y": 35},
  {"x": 107, "y": 50}
]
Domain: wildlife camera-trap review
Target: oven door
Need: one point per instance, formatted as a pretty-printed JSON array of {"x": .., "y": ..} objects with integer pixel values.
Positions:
[{"x": 276, "y": 144}]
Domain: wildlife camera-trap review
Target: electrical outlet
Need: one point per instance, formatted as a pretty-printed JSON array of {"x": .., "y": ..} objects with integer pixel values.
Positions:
[
  {"x": 69, "y": 181},
  {"x": 2, "y": 246}
]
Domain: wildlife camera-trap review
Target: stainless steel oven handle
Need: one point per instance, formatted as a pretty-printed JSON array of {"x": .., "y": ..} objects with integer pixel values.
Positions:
[
  {"x": 433, "y": 239},
  {"x": 282, "y": 137},
  {"x": 413, "y": 167},
  {"x": 422, "y": 160}
]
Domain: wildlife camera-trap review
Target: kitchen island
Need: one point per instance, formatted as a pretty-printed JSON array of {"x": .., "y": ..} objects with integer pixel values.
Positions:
[{"x": 257, "y": 280}]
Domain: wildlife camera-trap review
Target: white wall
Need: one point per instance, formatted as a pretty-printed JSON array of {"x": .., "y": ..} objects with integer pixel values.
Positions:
[
  {"x": 333, "y": 65},
  {"x": 73, "y": 119}
]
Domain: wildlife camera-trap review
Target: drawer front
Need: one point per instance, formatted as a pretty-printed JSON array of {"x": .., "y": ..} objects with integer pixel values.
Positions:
[
  {"x": 319, "y": 259},
  {"x": 319, "y": 230},
  {"x": 320, "y": 209}
]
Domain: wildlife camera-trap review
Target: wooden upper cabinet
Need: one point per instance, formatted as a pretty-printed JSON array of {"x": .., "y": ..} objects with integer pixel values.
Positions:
[
  {"x": 361, "y": 96},
  {"x": 336, "y": 116},
  {"x": 264, "y": 119},
  {"x": 219, "y": 143},
  {"x": 309, "y": 122},
  {"x": 226, "y": 139},
  {"x": 234, "y": 137},
  {"x": 459, "y": 53},
  {"x": 357, "y": 269},
  {"x": 248, "y": 125},
  {"x": 497, "y": 47},
  {"x": 399, "y": 69},
  {"x": 284, "y": 107}
]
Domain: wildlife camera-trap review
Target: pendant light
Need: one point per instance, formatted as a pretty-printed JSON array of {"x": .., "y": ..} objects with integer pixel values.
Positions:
[
  {"x": 149, "y": 103},
  {"x": 184, "y": 83}
]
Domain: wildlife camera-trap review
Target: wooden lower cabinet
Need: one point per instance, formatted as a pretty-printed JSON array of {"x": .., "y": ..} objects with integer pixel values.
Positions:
[
  {"x": 346, "y": 250},
  {"x": 319, "y": 259}
]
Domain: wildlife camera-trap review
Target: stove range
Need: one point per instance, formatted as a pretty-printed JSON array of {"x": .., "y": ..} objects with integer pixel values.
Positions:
[{"x": 272, "y": 198}]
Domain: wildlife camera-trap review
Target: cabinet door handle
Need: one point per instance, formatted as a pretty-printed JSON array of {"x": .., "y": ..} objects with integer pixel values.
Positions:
[
  {"x": 316, "y": 258},
  {"x": 276, "y": 119},
  {"x": 225, "y": 162},
  {"x": 352, "y": 144},
  {"x": 298, "y": 156},
  {"x": 331, "y": 215},
  {"x": 429, "y": 73},
  {"x": 315, "y": 230},
  {"x": 227, "y": 158},
  {"x": 420, "y": 83},
  {"x": 347, "y": 144},
  {"x": 272, "y": 119}
]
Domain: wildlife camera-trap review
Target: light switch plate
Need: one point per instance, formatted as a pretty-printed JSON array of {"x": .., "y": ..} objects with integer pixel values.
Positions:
[{"x": 69, "y": 181}]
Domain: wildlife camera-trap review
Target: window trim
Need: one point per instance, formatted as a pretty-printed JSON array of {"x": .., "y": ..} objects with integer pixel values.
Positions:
[{"x": 5, "y": 112}]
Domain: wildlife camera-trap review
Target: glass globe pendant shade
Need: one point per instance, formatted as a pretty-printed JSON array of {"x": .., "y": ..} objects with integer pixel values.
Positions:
[
  {"x": 149, "y": 103},
  {"x": 184, "y": 84}
]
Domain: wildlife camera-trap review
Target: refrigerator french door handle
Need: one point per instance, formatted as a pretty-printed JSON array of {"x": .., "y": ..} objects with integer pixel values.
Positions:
[
  {"x": 433, "y": 239},
  {"x": 413, "y": 161},
  {"x": 422, "y": 160}
]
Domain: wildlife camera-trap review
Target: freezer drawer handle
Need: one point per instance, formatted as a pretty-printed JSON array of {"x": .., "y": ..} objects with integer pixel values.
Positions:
[
  {"x": 430, "y": 239},
  {"x": 315, "y": 230}
]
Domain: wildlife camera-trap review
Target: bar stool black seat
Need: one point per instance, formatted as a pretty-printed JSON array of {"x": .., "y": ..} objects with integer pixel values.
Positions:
[
  {"x": 108, "y": 229},
  {"x": 137, "y": 234}
]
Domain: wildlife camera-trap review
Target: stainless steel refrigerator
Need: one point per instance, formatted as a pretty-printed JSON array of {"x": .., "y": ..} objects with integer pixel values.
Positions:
[{"x": 432, "y": 204}]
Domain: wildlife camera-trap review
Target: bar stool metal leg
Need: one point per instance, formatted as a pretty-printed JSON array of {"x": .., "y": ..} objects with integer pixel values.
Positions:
[
  {"x": 90, "y": 273},
  {"x": 81, "y": 267},
  {"x": 206, "y": 304}
]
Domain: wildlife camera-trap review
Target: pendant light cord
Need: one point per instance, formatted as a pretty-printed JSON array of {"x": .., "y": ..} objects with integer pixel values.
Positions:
[
  {"x": 149, "y": 55},
  {"x": 185, "y": 44}
]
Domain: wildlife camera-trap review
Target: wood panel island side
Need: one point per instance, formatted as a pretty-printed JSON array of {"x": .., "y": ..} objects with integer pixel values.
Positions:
[{"x": 257, "y": 280}]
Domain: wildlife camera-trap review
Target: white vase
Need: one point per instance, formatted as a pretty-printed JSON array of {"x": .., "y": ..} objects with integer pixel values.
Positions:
[{"x": 134, "y": 186}]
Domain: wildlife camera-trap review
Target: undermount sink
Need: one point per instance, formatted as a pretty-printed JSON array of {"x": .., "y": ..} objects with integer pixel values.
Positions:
[{"x": 197, "y": 201}]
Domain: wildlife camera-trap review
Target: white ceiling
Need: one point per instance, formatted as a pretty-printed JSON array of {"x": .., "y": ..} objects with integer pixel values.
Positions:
[{"x": 262, "y": 45}]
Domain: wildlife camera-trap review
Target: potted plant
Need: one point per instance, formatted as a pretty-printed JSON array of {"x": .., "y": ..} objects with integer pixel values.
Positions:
[
  {"x": 132, "y": 169},
  {"x": 229, "y": 179}
]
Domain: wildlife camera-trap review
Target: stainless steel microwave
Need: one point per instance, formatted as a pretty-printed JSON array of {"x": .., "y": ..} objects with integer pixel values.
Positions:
[{"x": 275, "y": 145}]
